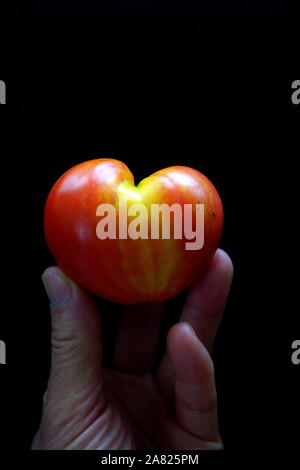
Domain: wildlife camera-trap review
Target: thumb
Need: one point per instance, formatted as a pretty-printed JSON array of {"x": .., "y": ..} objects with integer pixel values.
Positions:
[{"x": 76, "y": 342}]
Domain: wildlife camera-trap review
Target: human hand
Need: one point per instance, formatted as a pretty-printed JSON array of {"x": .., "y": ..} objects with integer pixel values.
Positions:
[{"x": 128, "y": 406}]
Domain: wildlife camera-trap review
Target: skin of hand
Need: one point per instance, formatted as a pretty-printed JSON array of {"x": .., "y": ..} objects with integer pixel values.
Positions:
[{"x": 128, "y": 406}]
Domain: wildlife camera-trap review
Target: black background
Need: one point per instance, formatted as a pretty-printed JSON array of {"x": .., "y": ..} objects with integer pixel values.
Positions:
[{"x": 205, "y": 84}]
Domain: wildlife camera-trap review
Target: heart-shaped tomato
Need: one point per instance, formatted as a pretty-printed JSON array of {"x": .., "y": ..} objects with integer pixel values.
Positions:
[{"x": 116, "y": 261}]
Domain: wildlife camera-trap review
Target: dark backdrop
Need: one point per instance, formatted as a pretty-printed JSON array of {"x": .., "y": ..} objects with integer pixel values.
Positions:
[{"x": 193, "y": 83}]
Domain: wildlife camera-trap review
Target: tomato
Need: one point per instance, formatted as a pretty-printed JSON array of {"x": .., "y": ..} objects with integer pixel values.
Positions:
[{"x": 128, "y": 270}]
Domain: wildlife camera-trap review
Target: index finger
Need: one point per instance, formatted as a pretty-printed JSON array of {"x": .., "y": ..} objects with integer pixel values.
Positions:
[
  {"x": 203, "y": 310},
  {"x": 206, "y": 299}
]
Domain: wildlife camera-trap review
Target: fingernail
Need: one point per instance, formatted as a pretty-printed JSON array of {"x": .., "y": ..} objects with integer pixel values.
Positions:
[
  {"x": 187, "y": 325},
  {"x": 58, "y": 287}
]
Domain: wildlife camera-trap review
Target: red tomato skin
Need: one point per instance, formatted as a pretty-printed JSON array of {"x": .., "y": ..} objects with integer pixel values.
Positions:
[{"x": 128, "y": 271}]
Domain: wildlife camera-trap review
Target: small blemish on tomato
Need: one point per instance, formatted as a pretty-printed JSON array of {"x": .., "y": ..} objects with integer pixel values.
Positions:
[{"x": 213, "y": 213}]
